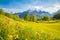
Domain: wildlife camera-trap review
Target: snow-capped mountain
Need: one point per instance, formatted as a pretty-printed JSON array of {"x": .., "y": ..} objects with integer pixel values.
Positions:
[{"x": 38, "y": 13}]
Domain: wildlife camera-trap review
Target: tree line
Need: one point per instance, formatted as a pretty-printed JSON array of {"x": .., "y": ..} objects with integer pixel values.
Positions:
[{"x": 34, "y": 18}]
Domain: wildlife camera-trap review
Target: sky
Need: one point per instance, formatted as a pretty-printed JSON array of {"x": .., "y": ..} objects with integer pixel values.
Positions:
[{"x": 15, "y": 6}]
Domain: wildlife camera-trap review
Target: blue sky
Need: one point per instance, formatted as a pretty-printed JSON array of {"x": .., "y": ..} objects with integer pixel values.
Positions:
[{"x": 22, "y": 5}]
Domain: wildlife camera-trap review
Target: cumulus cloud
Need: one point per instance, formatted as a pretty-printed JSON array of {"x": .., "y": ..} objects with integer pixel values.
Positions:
[
  {"x": 11, "y": 10},
  {"x": 51, "y": 9}
]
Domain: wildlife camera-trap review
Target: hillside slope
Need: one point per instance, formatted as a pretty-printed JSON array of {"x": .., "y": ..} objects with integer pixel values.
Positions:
[{"x": 25, "y": 30}]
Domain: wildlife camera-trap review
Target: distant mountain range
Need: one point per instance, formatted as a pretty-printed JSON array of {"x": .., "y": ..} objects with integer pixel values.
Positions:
[{"x": 39, "y": 13}]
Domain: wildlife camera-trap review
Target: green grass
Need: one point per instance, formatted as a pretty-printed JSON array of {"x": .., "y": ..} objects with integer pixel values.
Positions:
[{"x": 26, "y": 30}]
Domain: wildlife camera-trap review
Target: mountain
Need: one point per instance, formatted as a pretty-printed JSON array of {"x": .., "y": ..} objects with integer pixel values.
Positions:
[
  {"x": 39, "y": 13},
  {"x": 58, "y": 11}
]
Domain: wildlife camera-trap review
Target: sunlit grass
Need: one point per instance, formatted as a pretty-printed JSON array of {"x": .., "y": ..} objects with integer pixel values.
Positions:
[{"x": 26, "y": 30}]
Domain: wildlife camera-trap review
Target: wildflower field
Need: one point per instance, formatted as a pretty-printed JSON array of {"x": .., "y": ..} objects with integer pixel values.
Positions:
[{"x": 24, "y": 30}]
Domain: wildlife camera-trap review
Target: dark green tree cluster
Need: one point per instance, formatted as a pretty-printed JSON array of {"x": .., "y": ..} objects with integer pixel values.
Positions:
[
  {"x": 28, "y": 17},
  {"x": 1, "y": 11},
  {"x": 34, "y": 18},
  {"x": 57, "y": 16},
  {"x": 46, "y": 18}
]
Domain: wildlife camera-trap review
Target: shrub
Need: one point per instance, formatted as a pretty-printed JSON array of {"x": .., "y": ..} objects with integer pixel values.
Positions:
[
  {"x": 27, "y": 17},
  {"x": 34, "y": 18},
  {"x": 1, "y": 11},
  {"x": 46, "y": 18}
]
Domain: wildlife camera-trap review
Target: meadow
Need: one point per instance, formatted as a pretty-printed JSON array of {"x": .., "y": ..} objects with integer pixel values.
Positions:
[{"x": 26, "y": 30}]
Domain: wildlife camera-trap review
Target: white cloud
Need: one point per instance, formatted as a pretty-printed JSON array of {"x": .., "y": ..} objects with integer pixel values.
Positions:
[
  {"x": 38, "y": 7},
  {"x": 50, "y": 9},
  {"x": 53, "y": 8},
  {"x": 11, "y": 10}
]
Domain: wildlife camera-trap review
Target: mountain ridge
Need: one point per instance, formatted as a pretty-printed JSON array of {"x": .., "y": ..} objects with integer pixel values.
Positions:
[{"x": 39, "y": 13}]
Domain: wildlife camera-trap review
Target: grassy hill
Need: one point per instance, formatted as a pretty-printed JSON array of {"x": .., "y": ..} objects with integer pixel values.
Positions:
[{"x": 24, "y": 30}]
